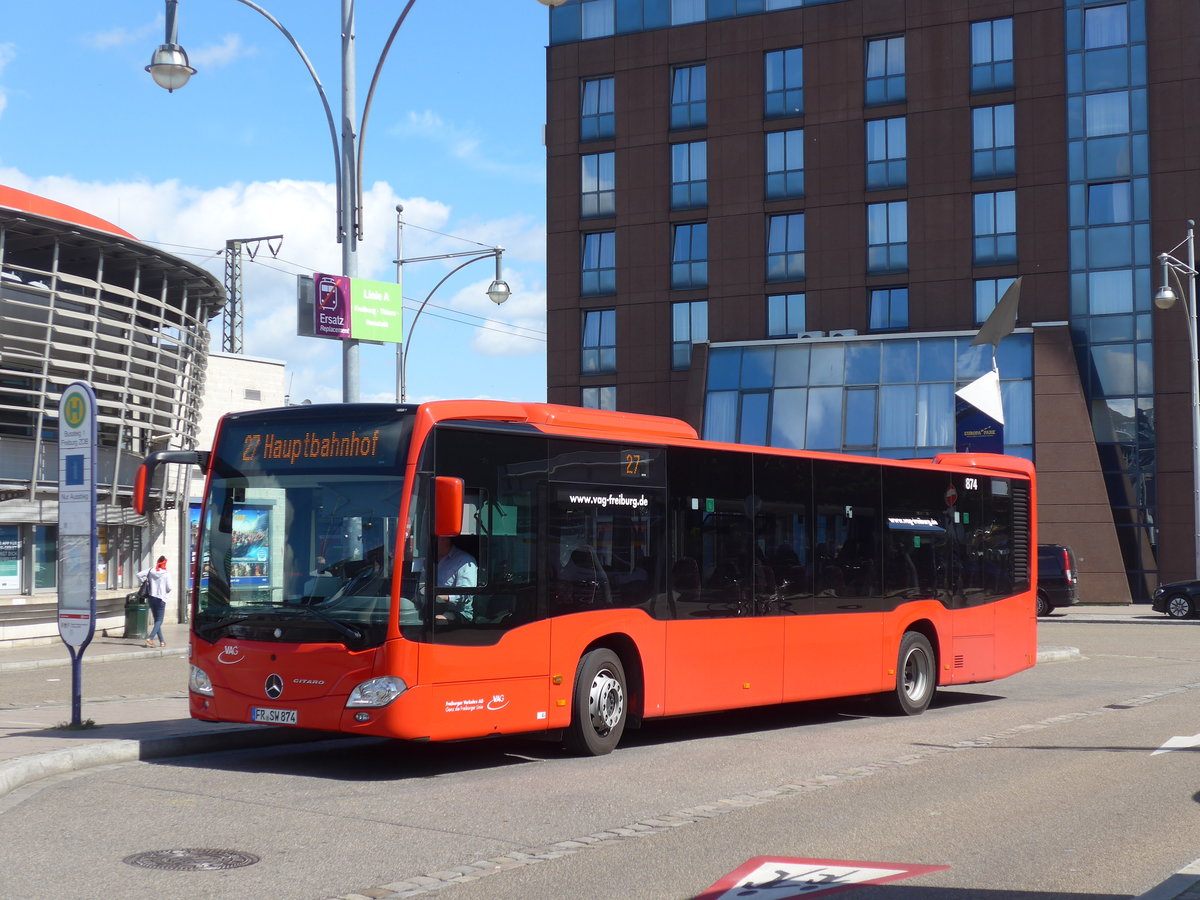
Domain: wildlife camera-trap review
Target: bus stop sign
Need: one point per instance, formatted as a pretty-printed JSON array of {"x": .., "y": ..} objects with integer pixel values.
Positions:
[{"x": 77, "y": 515}]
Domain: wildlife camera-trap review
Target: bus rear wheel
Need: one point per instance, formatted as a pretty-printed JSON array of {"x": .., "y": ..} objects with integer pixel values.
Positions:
[
  {"x": 600, "y": 705},
  {"x": 916, "y": 677}
]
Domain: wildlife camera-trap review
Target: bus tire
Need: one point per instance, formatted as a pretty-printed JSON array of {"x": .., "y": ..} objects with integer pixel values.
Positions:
[
  {"x": 600, "y": 706},
  {"x": 916, "y": 676}
]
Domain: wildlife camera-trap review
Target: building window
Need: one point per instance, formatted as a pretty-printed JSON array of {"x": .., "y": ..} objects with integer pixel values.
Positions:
[
  {"x": 993, "y": 142},
  {"x": 785, "y": 164},
  {"x": 1109, "y": 203},
  {"x": 599, "y": 341},
  {"x": 1106, "y": 113},
  {"x": 689, "y": 106},
  {"x": 785, "y": 83},
  {"x": 785, "y": 315},
  {"x": 887, "y": 236},
  {"x": 887, "y": 153},
  {"x": 889, "y": 309},
  {"x": 599, "y": 266},
  {"x": 885, "y": 71},
  {"x": 598, "y": 18},
  {"x": 598, "y": 195},
  {"x": 1105, "y": 26},
  {"x": 991, "y": 55},
  {"x": 689, "y": 175},
  {"x": 603, "y": 397},
  {"x": 689, "y": 325},
  {"x": 685, "y": 11},
  {"x": 785, "y": 247},
  {"x": 988, "y": 292},
  {"x": 596, "y": 111},
  {"x": 689, "y": 256},
  {"x": 995, "y": 228}
]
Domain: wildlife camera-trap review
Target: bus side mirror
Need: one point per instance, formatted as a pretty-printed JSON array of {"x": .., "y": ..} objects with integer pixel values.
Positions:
[
  {"x": 144, "y": 479},
  {"x": 448, "y": 506}
]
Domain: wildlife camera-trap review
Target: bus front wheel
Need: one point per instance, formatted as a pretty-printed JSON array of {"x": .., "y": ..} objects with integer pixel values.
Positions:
[
  {"x": 916, "y": 676},
  {"x": 600, "y": 704}
]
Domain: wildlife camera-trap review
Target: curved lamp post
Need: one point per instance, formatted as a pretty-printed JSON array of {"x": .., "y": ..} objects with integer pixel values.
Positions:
[
  {"x": 170, "y": 69},
  {"x": 1164, "y": 298},
  {"x": 498, "y": 291}
]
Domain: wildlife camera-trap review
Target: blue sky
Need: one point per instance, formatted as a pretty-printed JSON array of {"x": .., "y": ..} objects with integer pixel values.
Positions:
[{"x": 243, "y": 150}]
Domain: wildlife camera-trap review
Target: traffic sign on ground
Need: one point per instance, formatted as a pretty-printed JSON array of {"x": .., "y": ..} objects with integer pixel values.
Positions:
[{"x": 774, "y": 878}]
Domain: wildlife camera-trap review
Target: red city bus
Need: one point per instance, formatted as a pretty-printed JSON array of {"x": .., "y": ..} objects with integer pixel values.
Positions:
[{"x": 460, "y": 569}]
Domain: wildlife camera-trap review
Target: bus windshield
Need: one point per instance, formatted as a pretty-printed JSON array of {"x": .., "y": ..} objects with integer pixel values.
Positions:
[{"x": 297, "y": 535}]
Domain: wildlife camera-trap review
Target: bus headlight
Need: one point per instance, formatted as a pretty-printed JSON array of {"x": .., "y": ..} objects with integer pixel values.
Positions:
[
  {"x": 377, "y": 692},
  {"x": 199, "y": 682}
]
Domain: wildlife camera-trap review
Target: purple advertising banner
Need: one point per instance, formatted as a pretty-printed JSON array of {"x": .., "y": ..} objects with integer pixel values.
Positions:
[{"x": 331, "y": 306}]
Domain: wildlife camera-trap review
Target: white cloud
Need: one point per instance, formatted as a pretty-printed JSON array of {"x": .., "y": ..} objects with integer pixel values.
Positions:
[
  {"x": 465, "y": 145},
  {"x": 123, "y": 37},
  {"x": 227, "y": 51}
]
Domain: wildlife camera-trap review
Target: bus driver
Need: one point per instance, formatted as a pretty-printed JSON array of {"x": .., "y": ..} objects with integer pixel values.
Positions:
[{"x": 455, "y": 568}]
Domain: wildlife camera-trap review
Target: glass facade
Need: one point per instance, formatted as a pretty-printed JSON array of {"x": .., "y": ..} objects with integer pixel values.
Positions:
[
  {"x": 1108, "y": 162},
  {"x": 891, "y": 397},
  {"x": 582, "y": 20}
]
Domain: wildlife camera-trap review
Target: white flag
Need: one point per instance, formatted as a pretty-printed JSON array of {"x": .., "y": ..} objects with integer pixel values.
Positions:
[{"x": 984, "y": 394}]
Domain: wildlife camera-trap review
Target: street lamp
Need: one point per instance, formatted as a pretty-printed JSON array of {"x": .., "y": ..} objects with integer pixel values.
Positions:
[
  {"x": 1164, "y": 298},
  {"x": 498, "y": 291},
  {"x": 170, "y": 69}
]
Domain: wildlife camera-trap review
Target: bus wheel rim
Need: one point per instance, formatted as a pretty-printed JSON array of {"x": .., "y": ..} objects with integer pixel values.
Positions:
[
  {"x": 606, "y": 702},
  {"x": 915, "y": 677}
]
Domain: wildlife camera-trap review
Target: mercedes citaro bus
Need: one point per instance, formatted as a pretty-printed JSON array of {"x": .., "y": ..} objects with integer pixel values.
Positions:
[{"x": 608, "y": 568}]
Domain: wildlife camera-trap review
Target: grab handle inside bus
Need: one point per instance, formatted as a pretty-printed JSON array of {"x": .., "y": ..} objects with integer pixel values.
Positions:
[
  {"x": 145, "y": 473},
  {"x": 448, "y": 506}
]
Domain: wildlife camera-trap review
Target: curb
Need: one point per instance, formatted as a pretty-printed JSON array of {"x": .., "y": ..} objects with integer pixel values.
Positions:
[
  {"x": 1183, "y": 885},
  {"x": 36, "y": 766},
  {"x": 120, "y": 656}
]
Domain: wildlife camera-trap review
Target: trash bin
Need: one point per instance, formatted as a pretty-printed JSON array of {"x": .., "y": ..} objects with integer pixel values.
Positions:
[{"x": 137, "y": 617}]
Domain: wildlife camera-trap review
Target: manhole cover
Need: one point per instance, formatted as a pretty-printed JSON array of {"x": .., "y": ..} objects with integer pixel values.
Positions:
[{"x": 191, "y": 860}]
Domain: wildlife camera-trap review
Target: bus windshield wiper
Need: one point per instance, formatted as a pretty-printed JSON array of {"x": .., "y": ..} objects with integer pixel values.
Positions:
[
  {"x": 274, "y": 613},
  {"x": 209, "y": 627},
  {"x": 341, "y": 627}
]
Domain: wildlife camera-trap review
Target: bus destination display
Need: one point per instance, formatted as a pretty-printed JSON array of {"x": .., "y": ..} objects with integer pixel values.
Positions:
[{"x": 278, "y": 446}]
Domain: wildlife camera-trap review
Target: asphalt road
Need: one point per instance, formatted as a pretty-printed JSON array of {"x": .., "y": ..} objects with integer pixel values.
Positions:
[{"x": 1037, "y": 787}]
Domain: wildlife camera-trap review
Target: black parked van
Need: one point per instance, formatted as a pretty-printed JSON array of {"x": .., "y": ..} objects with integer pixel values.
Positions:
[{"x": 1057, "y": 577}]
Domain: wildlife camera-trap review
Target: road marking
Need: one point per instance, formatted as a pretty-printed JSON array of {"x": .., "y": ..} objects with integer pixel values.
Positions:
[
  {"x": 773, "y": 878},
  {"x": 1178, "y": 743}
]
